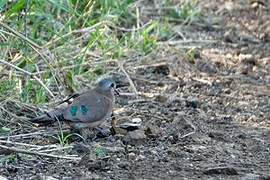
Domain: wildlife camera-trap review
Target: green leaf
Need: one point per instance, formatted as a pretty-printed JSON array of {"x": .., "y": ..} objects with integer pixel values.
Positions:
[
  {"x": 22, "y": 63},
  {"x": 100, "y": 151},
  {"x": 5, "y": 130},
  {"x": 60, "y": 5},
  {"x": 70, "y": 80},
  {"x": 2, "y": 4},
  {"x": 17, "y": 7}
]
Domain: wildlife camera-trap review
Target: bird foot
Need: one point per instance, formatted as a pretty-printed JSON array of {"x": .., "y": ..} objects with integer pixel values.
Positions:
[
  {"x": 102, "y": 132},
  {"x": 90, "y": 135}
]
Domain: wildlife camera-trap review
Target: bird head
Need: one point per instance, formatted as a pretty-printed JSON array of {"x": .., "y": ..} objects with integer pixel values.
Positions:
[{"x": 106, "y": 86}]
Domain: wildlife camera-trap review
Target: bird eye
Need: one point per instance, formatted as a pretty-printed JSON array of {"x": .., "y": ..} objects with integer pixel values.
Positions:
[{"x": 112, "y": 85}]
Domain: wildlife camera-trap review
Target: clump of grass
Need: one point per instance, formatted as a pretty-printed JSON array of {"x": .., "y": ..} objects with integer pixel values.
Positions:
[
  {"x": 9, "y": 159},
  {"x": 100, "y": 151},
  {"x": 190, "y": 55},
  {"x": 7, "y": 87},
  {"x": 186, "y": 12},
  {"x": 64, "y": 139},
  {"x": 4, "y": 130},
  {"x": 74, "y": 40}
]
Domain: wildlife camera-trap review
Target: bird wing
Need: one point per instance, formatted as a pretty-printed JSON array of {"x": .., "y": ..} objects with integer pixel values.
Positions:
[{"x": 88, "y": 107}]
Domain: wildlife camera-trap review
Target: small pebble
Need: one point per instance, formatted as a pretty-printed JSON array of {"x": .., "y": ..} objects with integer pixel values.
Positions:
[
  {"x": 136, "y": 120},
  {"x": 140, "y": 157},
  {"x": 132, "y": 156}
]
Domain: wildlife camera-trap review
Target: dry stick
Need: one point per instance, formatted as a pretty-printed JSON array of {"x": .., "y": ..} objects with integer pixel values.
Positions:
[
  {"x": 44, "y": 56},
  {"x": 204, "y": 81},
  {"x": 14, "y": 115},
  {"x": 29, "y": 74},
  {"x": 138, "y": 17},
  {"x": 22, "y": 135},
  {"x": 19, "y": 144},
  {"x": 56, "y": 149},
  {"x": 176, "y": 42},
  {"x": 30, "y": 135},
  {"x": 36, "y": 147},
  {"x": 190, "y": 133},
  {"x": 17, "y": 150},
  {"x": 84, "y": 30},
  {"x": 121, "y": 66},
  {"x": 130, "y": 30},
  {"x": 35, "y": 47},
  {"x": 151, "y": 65},
  {"x": 32, "y": 44},
  {"x": 20, "y": 35}
]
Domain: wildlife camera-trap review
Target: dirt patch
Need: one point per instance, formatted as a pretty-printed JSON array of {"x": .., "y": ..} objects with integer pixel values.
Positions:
[{"x": 203, "y": 116}]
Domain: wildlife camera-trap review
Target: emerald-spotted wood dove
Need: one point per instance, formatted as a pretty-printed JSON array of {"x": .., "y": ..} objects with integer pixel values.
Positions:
[{"x": 86, "y": 110}]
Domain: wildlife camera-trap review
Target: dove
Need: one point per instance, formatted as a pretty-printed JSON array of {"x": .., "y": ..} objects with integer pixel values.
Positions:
[{"x": 87, "y": 110}]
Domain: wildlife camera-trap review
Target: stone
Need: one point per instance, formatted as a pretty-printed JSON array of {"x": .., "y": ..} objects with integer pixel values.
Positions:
[
  {"x": 140, "y": 157},
  {"x": 134, "y": 137},
  {"x": 152, "y": 130},
  {"x": 3, "y": 178},
  {"x": 132, "y": 156},
  {"x": 137, "y": 120},
  {"x": 132, "y": 125}
]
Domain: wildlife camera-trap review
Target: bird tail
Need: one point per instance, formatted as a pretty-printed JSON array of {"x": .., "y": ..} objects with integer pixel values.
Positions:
[
  {"x": 42, "y": 119},
  {"x": 51, "y": 116},
  {"x": 48, "y": 118}
]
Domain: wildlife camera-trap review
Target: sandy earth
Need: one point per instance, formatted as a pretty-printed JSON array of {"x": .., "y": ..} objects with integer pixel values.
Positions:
[{"x": 220, "y": 96}]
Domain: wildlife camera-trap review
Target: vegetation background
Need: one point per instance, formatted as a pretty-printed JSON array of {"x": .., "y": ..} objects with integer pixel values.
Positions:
[
  {"x": 65, "y": 42},
  {"x": 196, "y": 73}
]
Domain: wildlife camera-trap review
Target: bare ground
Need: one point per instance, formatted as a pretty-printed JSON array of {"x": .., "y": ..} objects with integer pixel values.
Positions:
[{"x": 222, "y": 95}]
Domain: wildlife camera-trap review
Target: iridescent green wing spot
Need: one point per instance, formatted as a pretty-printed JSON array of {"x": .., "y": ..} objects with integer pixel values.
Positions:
[
  {"x": 84, "y": 109},
  {"x": 73, "y": 110}
]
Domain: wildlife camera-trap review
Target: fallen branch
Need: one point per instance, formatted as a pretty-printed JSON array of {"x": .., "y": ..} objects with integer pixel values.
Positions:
[
  {"x": 50, "y": 148},
  {"x": 121, "y": 66},
  {"x": 19, "y": 144},
  {"x": 56, "y": 149},
  {"x": 190, "y": 133},
  {"x": 16, "y": 150},
  {"x": 45, "y": 133},
  {"x": 20, "y": 35},
  {"x": 187, "y": 41},
  {"x": 29, "y": 74}
]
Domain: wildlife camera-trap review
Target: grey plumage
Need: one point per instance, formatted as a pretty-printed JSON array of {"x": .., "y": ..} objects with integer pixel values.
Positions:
[{"x": 87, "y": 110}]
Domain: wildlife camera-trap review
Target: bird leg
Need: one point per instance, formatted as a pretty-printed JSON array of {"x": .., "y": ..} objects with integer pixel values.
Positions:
[
  {"x": 89, "y": 134},
  {"x": 102, "y": 132}
]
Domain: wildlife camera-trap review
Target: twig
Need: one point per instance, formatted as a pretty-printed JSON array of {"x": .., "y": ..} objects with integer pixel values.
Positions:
[
  {"x": 31, "y": 135},
  {"x": 14, "y": 115},
  {"x": 22, "y": 135},
  {"x": 204, "y": 81},
  {"x": 19, "y": 144},
  {"x": 17, "y": 150},
  {"x": 151, "y": 95},
  {"x": 42, "y": 52},
  {"x": 130, "y": 30},
  {"x": 176, "y": 42},
  {"x": 151, "y": 65},
  {"x": 29, "y": 74},
  {"x": 56, "y": 149},
  {"x": 190, "y": 133},
  {"x": 37, "y": 147},
  {"x": 121, "y": 66},
  {"x": 20, "y": 35},
  {"x": 138, "y": 17},
  {"x": 84, "y": 30}
]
